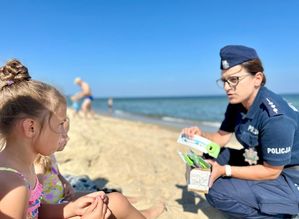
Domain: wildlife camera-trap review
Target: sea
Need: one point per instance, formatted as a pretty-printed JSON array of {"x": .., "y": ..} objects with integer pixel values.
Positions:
[{"x": 206, "y": 112}]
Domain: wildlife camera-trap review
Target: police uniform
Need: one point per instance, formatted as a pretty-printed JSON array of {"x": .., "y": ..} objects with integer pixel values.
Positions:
[{"x": 269, "y": 133}]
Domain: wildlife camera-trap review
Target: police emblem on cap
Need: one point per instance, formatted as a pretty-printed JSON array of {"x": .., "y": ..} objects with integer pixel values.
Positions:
[
  {"x": 225, "y": 64},
  {"x": 233, "y": 55}
]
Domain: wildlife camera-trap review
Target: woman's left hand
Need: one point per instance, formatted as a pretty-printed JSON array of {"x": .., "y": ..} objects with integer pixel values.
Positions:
[{"x": 217, "y": 171}]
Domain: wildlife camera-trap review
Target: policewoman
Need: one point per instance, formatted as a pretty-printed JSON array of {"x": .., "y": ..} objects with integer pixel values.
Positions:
[{"x": 261, "y": 180}]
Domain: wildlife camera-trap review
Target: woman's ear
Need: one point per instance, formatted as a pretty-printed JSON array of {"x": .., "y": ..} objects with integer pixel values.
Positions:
[
  {"x": 258, "y": 79},
  {"x": 29, "y": 127}
]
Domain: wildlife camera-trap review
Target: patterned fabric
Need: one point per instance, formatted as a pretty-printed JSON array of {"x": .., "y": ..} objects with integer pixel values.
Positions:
[
  {"x": 52, "y": 185},
  {"x": 35, "y": 200},
  {"x": 81, "y": 183},
  {"x": 35, "y": 194},
  {"x": 85, "y": 184}
]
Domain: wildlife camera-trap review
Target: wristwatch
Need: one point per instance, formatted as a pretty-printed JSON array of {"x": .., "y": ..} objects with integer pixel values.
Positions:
[{"x": 228, "y": 170}]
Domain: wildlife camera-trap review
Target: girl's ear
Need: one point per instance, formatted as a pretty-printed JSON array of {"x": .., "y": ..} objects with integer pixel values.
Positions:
[{"x": 29, "y": 127}]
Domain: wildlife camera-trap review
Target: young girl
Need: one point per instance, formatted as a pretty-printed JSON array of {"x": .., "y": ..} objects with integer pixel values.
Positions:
[
  {"x": 32, "y": 122},
  {"x": 32, "y": 117},
  {"x": 57, "y": 189}
]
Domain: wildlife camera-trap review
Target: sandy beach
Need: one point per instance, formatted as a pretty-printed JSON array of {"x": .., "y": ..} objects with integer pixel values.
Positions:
[{"x": 139, "y": 158}]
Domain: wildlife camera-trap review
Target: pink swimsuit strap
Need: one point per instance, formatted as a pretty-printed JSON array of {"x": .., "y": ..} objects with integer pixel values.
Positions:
[{"x": 35, "y": 193}]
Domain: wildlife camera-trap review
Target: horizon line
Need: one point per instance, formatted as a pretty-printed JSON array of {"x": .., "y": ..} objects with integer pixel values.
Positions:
[{"x": 171, "y": 96}]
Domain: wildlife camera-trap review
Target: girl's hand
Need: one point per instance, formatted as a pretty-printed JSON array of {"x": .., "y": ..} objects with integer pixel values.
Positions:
[
  {"x": 217, "y": 171},
  {"x": 97, "y": 210},
  {"x": 101, "y": 195},
  {"x": 192, "y": 131},
  {"x": 79, "y": 206}
]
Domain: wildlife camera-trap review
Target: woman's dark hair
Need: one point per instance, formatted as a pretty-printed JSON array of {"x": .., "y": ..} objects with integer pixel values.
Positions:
[{"x": 254, "y": 66}]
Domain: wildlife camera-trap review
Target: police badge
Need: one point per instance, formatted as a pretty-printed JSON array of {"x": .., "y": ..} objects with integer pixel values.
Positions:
[
  {"x": 225, "y": 64},
  {"x": 251, "y": 156}
]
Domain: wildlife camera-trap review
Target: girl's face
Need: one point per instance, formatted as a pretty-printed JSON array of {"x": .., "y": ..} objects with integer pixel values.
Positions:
[
  {"x": 65, "y": 138},
  {"x": 52, "y": 132}
]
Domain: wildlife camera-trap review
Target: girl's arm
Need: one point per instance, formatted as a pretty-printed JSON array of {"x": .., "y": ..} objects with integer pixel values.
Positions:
[
  {"x": 47, "y": 211},
  {"x": 66, "y": 210},
  {"x": 14, "y": 196},
  {"x": 67, "y": 187}
]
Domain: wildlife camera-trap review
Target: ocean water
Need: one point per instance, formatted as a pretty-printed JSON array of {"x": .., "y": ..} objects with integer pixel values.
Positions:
[{"x": 204, "y": 111}]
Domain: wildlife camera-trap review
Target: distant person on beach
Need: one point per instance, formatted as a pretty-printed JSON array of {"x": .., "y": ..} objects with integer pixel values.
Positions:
[
  {"x": 32, "y": 118},
  {"x": 110, "y": 104},
  {"x": 75, "y": 105},
  {"x": 86, "y": 95},
  {"x": 262, "y": 179},
  {"x": 57, "y": 189}
]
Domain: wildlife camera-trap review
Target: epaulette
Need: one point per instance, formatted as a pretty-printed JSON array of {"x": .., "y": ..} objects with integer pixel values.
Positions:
[{"x": 272, "y": 107}]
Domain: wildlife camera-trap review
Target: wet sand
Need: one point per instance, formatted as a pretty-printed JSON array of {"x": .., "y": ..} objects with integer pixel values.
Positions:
[{"x": 139, "y": 158}]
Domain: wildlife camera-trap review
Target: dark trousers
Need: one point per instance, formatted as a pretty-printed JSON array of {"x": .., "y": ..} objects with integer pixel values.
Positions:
[{"x": 238, "y": 198}]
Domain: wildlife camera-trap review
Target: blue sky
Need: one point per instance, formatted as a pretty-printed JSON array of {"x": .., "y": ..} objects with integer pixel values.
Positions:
[{"x": 148, "y": 47}]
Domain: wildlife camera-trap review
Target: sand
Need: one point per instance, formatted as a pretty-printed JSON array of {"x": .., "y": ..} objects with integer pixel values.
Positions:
[{"x": 139, "y": 158}]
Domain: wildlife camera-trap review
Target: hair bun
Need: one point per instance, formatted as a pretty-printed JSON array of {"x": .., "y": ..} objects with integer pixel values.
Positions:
[{"x": 12, "y": 72}]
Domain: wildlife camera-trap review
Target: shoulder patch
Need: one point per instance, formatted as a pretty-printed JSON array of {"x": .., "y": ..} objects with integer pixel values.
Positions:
[{"x": 272, "y": 107}]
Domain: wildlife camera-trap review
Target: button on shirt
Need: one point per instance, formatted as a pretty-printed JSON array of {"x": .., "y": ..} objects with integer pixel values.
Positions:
[{"x": 270, "y": 127}]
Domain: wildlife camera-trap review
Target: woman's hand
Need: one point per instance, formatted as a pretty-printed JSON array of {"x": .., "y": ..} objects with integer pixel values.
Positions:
[
  {"x": 97, "y": 210},
  {"x": 217, "y": 171},
  {"x": 192, "y": 131}
]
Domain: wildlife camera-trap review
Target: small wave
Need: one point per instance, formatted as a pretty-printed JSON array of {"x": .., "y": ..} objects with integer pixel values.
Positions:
[
  {"x": 119, "y": 112},
  {"x": 166, "y": 119},
  {"x": 172, "y": 119},
  {"x": 212, "y": 124}
]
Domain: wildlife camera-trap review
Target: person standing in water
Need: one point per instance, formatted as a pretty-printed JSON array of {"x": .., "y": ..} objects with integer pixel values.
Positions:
[
  {"x": 110, "y": 105},
  {"x": 86, "y": 95}
]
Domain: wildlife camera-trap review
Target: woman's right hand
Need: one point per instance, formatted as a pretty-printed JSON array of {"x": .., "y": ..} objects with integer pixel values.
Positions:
[
  {"x": 192, "y": 131},
  {"x": 97, "y": 210}
]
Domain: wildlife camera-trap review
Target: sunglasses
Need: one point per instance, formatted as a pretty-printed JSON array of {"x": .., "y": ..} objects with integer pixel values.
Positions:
[{"x": 232, "y": 81}]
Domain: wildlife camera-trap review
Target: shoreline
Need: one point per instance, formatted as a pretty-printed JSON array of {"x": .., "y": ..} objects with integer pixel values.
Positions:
[
  {"x": 179, "y": 112},
  {"x": 167, "y": 122}
]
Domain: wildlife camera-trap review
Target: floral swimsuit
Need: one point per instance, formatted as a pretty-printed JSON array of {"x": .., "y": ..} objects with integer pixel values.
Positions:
[{"x": 52, "y": 186}]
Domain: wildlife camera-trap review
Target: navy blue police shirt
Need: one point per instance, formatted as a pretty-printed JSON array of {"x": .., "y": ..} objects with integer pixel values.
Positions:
[{"x": 270, "y": 127}]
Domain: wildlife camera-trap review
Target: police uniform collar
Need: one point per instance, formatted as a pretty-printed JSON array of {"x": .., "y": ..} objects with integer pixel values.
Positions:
[{"x": 256, "y": 103}]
